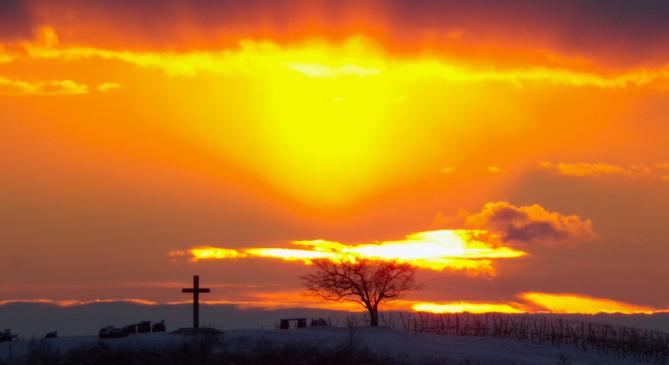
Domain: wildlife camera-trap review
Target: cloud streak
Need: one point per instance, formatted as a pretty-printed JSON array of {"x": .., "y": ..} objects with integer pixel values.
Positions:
[
  {"x": 107, "y": 86},
  {"x": 50, "y": 87},
  {"x": 539, "y": 302},
  {"x": 582, "y": 304},
  {"x": 472, "y": 251},
  {"x": 356, "y": 57},
  {"x": 74, "y": 303},
  {"x": 601, "y": 169},
  {"x": 527, "y": 302}
]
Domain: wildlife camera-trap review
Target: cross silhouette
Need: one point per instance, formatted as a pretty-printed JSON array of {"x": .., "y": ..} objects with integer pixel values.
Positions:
[{"x": 196, "y": 290}]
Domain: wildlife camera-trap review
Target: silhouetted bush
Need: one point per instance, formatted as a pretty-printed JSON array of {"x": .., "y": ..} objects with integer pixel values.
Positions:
[{"x": 626, "y": 342}]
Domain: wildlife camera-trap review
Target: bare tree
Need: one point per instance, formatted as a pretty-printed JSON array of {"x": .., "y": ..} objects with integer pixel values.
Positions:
[{"x": 366, "y": 282}]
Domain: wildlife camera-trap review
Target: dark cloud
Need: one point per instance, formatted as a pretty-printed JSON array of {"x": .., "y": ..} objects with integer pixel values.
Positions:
[
  {"x": 15, "y": 20},
  {"x": 608, "y": 30},
  {"x": 173, "y": 24},
  {"x": 534, "y": 231},
  {"x": 530, "y": 224},
  {"x": 629, "y": 30}
]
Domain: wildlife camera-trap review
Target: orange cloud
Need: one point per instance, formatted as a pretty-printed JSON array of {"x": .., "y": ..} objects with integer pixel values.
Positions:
[
  {"x": 530, "y": 224},
  {"x": 106, "y": 86},
  {"x": 358, "y": 56},
  {"x": 585, "y": 169},
  {"x": 469, "y": 250},
  {"x": 471, "y": 307},
  {"x": 51, "y": 87},
  {"x": 211, "y": 253}
]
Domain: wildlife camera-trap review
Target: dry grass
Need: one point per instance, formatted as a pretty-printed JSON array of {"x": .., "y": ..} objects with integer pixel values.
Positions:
[{"x": 639, "y": 344}]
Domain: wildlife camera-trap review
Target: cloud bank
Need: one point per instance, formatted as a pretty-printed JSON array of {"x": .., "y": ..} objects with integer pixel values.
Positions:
[
  {"x": 471, "y": 251},
  {"x": 50, "y": 87},
  {"x": 627, "y": 31}
]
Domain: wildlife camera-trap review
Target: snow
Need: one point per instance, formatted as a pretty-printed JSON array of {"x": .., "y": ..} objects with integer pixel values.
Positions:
[{"x": 407, "y": 345}]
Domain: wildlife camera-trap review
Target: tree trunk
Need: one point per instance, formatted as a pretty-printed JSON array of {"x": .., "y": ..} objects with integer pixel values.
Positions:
[{"x": 373, "y": 317}]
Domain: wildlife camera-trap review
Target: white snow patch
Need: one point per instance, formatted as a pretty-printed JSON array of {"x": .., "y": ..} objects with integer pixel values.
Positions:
[{"x": 397, "y": 343}]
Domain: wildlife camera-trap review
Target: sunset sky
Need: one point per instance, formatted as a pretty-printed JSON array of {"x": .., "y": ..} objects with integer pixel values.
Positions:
[{"x": 516, "y": 153}]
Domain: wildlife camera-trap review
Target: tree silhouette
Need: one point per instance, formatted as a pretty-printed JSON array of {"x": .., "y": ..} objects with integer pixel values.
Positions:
[{"x": 366, "y": 282}]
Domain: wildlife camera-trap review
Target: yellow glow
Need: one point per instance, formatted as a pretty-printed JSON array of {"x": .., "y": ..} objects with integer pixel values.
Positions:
[
  {"x": 322, "y": 123},
  {"x": 438, "y": 250},
  {"x": 576, "y": 303},
  {"x": 288, "y": 254},
  {"x": 328, "y": 121},
  {"x": 325, "y": 71},
  {"x": 433, "y": 250},
  {"x": 215, "y": 253},
  {"x": 459, "y": 307}
]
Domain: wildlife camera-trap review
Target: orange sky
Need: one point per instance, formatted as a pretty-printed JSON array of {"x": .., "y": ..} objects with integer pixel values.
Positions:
[{"x": 132, "y": 134}]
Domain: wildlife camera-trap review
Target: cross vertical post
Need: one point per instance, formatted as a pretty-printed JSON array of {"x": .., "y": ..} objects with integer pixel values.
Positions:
[{"x": 196, "y": 290}]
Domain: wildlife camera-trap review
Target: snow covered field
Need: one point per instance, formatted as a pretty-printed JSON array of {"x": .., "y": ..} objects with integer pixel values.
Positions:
[
  {"x": 415, "y": 347},
  {"x": 36, "y": 319}
]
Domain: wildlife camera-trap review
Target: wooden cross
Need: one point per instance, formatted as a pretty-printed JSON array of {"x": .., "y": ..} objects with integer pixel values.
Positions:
[{"x": 196, "y": 290}]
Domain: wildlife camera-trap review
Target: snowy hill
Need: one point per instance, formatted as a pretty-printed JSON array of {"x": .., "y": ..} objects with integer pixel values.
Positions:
[{"x": 406, "y": 346}]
